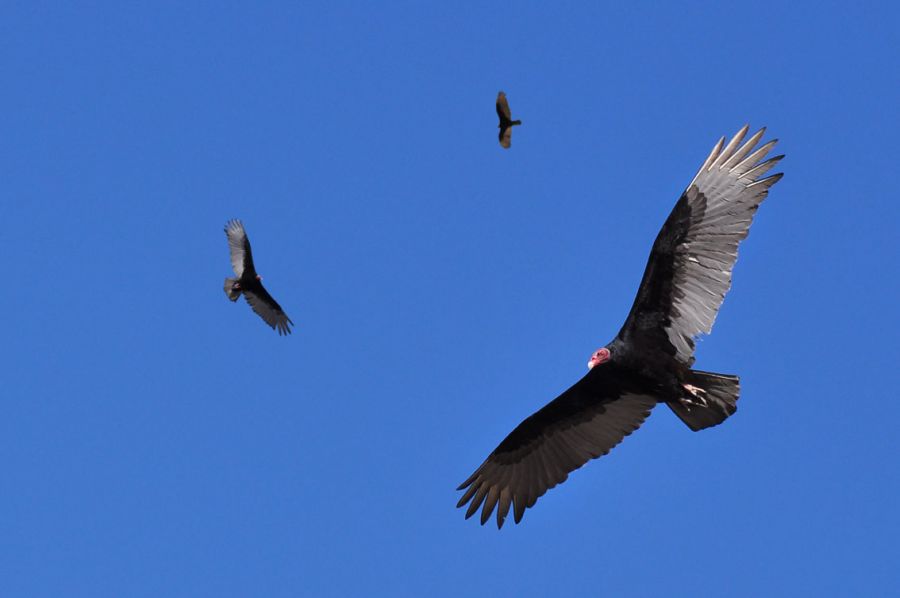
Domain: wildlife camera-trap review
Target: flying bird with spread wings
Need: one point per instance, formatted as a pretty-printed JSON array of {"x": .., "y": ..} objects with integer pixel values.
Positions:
[
  {"x": 506, "y": 121},
  {"x": 650, "y": 359},
  {"x": 248, "y": 283}
]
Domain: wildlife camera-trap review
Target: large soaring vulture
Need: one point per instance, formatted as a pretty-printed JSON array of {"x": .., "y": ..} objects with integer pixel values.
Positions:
[
  {"x": 249, "y": 282},
  {"x": 506, "y": 121},
  {"x": 649, "y": 361}
]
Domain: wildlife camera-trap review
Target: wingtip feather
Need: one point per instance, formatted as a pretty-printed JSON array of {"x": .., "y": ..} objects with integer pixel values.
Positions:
[
  {"x": 768, "y": 181},
  {"x": 490, "y": 502},
  {"x": 727, "y": 152},
  {"x": 745, "y": 149},
  {"x": 709, "y": 160}
]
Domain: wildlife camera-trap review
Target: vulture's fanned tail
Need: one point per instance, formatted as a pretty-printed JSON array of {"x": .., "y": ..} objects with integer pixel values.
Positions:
[{"x": 716, "y": 400}]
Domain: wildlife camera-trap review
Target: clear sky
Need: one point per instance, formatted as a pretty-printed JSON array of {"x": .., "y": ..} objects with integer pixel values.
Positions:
[{"x": 158, "y": 440}]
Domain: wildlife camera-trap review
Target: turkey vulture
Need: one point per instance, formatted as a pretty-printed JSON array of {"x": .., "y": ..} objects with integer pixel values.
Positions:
[
  {"x": 649, "y": 361},
  {"x": 249, "y": 282},
  {"x": 506, "y": 121}
]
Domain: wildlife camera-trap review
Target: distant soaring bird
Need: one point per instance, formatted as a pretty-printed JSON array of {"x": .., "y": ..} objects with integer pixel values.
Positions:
[
  {"x": 249, "y": 282},
  {"x": 649, "y": 361},
  {"x": 506, "y": 122}
]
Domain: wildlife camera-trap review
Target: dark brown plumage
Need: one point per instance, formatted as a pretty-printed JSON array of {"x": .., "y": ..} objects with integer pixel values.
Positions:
[
  {"x": 649, "y": 361},
  {"x": 506, "y": 122},
  {"x": 249, "y": 283}
]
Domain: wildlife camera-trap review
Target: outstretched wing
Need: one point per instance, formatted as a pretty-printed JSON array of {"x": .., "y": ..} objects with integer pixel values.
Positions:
[
  {"x": 239, "y": 245},
  {"x": 506, "y": 136},
  {"x": 689, "y": 270},
  {"x": 583, "y": 423},
  {"x": 268, "y": 309},
  {"x": 503, "y": 107}
]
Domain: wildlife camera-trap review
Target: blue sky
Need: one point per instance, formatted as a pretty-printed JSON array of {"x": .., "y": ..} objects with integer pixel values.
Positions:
[{"x": 158, "y": 440}]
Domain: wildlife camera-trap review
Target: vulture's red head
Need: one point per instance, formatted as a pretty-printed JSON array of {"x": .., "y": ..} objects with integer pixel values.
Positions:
[{"x": 601, "y": 355}]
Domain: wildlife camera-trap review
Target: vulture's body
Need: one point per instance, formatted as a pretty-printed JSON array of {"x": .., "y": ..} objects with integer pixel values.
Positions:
[
  {"x": 248, "y": 283},
  {"x": 506, "y": 121},
  {"x": 649, "y": 361}
]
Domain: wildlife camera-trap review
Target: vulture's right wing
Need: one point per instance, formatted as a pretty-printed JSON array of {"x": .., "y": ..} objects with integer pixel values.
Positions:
[
  {"x": 268, "y": 309},
  {"x": 503, "y": 107},
  {"x": 583, "y": 423}
]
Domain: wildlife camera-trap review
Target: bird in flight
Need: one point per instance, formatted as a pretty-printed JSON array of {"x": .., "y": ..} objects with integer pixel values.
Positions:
[
  {"x": 506, "y": 121},
  {"x": 649, "y": 361},
  {"x": 249, "y": 283}
]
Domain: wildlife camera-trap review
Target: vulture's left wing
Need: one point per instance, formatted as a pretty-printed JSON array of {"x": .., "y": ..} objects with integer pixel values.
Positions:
[
  {"x": 506, "y": 136},
  {"x": 239, "y": 245},
  {"x": 689, "y": 270}
]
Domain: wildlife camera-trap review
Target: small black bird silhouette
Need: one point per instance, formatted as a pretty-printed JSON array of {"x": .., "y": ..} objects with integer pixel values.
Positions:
[
  {"x": 506, "y": 121},
  {"x": 249, "y": 283}
]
